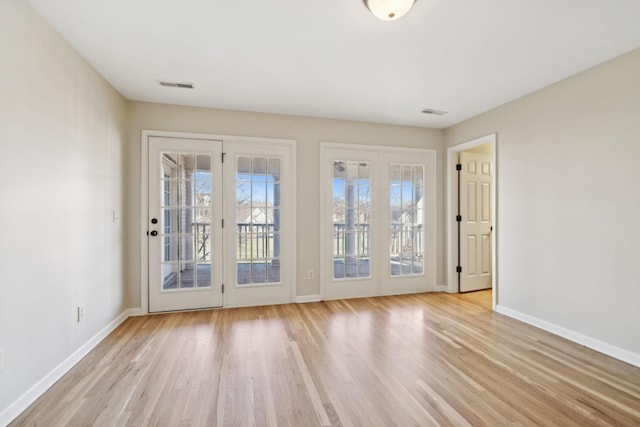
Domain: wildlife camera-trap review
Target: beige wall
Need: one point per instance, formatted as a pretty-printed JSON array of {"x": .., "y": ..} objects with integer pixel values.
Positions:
[
  {"x": 308, "y": 132},
  {"x": 568, "y": 201},
  {"x": 61, "y": 133}
]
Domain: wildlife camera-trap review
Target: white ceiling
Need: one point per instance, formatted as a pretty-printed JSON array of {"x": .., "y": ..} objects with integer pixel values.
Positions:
[{"x": 334, "y": 59}]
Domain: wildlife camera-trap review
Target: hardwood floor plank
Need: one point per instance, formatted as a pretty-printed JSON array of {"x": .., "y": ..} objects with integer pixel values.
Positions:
[
  {"x": 310, "y": 386},
  {"x": 411, "y": 360}
]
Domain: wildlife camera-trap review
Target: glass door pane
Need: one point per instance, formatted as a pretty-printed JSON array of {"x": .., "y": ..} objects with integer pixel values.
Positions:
[
  {"x": 406, "y": 203},
  {"x": 258, "y": 233},
  {"x": 185, "y": 229},
  {"x": 351, "y": 219}
]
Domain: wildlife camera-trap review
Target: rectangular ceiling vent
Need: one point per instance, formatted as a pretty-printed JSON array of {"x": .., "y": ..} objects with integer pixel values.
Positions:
[
  {"x": 434, "y": 112},
  {"x": 180, "y": 85}
]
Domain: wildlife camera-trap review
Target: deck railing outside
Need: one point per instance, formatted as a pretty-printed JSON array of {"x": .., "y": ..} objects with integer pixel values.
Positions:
[
  {"x": 256, "y": 241},
  {"x": 406, "y": 238},
  {"x": 360, "y": 238}
]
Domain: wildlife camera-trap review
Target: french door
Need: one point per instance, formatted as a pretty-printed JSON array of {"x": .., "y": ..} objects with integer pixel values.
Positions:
[
  {"x": 185, "y": 234},
  {"x": 259, "y": 211},
  {"x": 221, "y": 223},
  {"x": 378, "y": 220}
]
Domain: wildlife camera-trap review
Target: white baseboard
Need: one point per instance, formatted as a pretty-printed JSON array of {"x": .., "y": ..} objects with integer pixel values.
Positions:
[
  {"x": 16, "y": 408},
  {"x": 316, "y": 298},
  {"x": 594, "y": 344},
  {"x": 308, "y": 298}
]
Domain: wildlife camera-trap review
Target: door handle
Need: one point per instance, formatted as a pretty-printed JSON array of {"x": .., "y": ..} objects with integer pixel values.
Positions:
[{"x": 154, "y": 233}]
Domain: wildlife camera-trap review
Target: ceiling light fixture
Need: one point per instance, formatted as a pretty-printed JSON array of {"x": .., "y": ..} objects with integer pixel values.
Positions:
[{"x": 389, "y": 10}]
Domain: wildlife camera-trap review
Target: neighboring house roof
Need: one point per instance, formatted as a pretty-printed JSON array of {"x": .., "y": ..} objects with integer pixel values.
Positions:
[{"x": 261, "y": 215}]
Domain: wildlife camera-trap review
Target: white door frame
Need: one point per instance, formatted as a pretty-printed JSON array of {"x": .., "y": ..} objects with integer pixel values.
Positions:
[
  {"x": 144, "y": 198},
  {"x": 452, "y": 209}
]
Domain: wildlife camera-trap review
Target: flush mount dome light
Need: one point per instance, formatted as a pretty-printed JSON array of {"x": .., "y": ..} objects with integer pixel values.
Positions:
[{"x": 389, "y": 10}]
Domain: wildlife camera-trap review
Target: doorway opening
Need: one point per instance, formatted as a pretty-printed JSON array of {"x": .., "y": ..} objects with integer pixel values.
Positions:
[{"x": 458, "y": 251}]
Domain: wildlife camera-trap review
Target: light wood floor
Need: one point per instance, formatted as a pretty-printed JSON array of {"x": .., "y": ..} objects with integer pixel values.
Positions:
[{"x": 428, "y": 359}]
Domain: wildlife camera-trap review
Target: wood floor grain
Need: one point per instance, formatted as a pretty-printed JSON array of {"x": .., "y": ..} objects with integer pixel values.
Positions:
[{"x": 414, "y": 360}]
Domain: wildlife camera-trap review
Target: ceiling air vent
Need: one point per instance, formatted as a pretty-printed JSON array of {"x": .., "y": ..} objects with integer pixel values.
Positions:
[
  {"x": 434, "y": 112},
  {"x": 180, "y": 85}
]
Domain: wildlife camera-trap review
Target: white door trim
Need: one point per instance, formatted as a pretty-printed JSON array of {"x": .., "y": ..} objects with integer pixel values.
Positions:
[
  {"x": 452, "y": 198},
  {"x": 144, "y": 196}
]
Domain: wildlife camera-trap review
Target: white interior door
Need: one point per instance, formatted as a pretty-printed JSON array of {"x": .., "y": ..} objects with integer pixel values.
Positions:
[
  {"x": 185, "y": 230},
  {"x": 475, "y": 225}
]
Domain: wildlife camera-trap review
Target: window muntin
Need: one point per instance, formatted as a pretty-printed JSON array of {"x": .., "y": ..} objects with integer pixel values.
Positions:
[
  {"x": 186, "y": 222},
  {"x": 406, "y": 203},
  {"x": 351, "y": 219},
  {"x": 258, "y": 234}
]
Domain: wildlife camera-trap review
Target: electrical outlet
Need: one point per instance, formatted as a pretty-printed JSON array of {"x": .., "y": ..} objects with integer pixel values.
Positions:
[
  {"x": 311, "y": 275},
  {"x": 81, "y": 313},
  {"x": 1, "y": 360}
]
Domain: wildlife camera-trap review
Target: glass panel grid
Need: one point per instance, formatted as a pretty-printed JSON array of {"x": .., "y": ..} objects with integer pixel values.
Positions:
[
  {"x": 186, "y": 220},
  {"x": 258, "y": 220},
  {"x": 351, "y": 219},
  {"x": 406, "y": 191}
]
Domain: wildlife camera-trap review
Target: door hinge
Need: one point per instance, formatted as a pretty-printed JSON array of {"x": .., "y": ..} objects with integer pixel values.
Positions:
[
  {"x": 459, "y": 218},
  {"x": 222, "y": 222},
  {"x": 222, "y": 157},
  {"x": 459, "y": 167},
  {"x": 458, "y": 269},
  {"x": 223, "y": 288}
]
